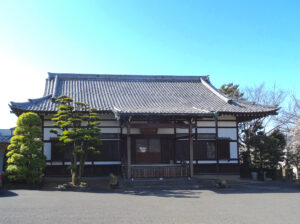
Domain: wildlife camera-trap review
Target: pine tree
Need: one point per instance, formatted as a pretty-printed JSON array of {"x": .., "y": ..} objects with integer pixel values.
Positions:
[
  {"x": 82, "y": 139},
  {"x": 231, "y": 90}
]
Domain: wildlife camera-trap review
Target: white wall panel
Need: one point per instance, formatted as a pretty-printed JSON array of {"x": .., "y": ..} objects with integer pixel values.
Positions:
[
  {"x": 132, "y": 131},
  {"x": 227, "y": 133},
  {"x": 228, "y": 162},
  {"x": 49, "y": 123},
  {"x": 206, "y": 130},
  {"x": 165, "y": 131},
  {"x": 182, "y": 130},
  {"x": 109, "y": 123},
  {"x": 206, "y": 124},
  {"x": 47, "y": 150},
  {"x": 48, "y": 134},
  {"x": 110, "y": 130},
  {"x": 233, "y": 150},
  {"x": 227, "y": 124}
]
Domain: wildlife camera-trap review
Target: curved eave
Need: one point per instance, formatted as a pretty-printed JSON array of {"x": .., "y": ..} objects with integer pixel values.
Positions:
[
  {"x": 19, "y": 107},
  {"x": 248, "y": 116}
]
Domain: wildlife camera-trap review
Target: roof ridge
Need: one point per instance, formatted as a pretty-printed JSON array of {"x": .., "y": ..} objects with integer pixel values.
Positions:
[
  {"x": 213, "y": 89},
  {"x": 125, "y": 77}
]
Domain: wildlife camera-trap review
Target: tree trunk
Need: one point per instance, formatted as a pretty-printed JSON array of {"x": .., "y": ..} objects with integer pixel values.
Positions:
[
  {"x": 81, "y": 168},
  {"x": 74, "y": 170},
  {"x": 73, "y": 173}
]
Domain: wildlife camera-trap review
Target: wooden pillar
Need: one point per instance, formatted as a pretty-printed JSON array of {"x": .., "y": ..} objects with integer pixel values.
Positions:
[
  {"x": 217, "y": 136},
  {"x": 128, "y": 150},
  {"x": 191, "y": 149}
]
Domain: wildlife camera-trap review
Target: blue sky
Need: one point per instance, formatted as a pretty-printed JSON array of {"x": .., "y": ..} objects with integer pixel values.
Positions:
[{"x": 245, "y": 42}]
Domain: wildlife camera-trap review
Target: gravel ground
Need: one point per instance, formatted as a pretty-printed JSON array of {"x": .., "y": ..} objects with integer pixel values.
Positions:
[{"x": 245, "y": 203}]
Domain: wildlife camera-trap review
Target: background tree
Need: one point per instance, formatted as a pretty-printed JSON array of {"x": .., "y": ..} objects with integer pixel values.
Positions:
[
  {"x": 267, "y": 149},
  {"x": 25, "y": 157},
  {"x": 247, "y": 130},
  {"x": 80, "y": 139},
  {"x": 293, "y": 149},
  {"x": 231, "y": 91}
]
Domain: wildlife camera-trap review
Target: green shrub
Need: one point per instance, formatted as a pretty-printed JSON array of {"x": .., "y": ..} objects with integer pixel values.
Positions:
[{"x": 26, "y": 161}]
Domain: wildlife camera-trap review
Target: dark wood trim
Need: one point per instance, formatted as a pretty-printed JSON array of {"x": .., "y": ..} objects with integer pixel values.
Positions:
[
  {"x": 206, "y": 140},
  {"x": 174, "y": 139},
  {"x": 238, "y": 144},
  {"x": 160, "y": 125},
  {"x": 216, "y": 143},
  {"x": 46, "y": 141},
  {"x": 128, "y": 150},
  {"x": 196, "y": 130},
  {"x": 100, "y": 119},
  {"x": 85, "y": 126},
  {"x": 214, "y": 120},
  {"x": 191, "y": 147},
  {"x": 214, "y": 127},
  {"x": 152, "y": 126},
  {"x": 42, "y": 118}
]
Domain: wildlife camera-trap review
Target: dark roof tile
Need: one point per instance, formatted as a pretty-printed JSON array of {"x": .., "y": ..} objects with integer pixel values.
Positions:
[{"x": 140, "y": 94}]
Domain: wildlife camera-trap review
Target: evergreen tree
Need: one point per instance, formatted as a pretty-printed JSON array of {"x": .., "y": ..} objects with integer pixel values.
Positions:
[
  {"x": 267, "y": 150},
  {"x": 74, "y": 133},
  {"x": 25, "y": 156},
  {"x": 231, "y": 90}
]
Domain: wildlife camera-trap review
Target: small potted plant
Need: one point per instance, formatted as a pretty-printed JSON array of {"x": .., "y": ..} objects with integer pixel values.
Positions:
[{"x": 113, "y": 181}]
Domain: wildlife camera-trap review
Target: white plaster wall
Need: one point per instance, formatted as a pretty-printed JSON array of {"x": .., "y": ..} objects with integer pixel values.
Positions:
[
  {"x": 228, "y": 161},
  {"x": 182, "y": 130},
  {"x": 206, "y": 124},
  {"x": 165, "y": 131},
  {"x": 47, "y": 150},
  {"x": 49, "y": 116},
  {"x": 207, "y": 161},
  {"x": 233, "y": 150},
  {"x": 48, "y": 134},
  {"x": 132, "y": 131},
  {"x": 109, "y": 123},
  {"x": 227, "y": 133},
  {"x": 49, "y": 123},
  {"x": 110, "y": 130},
  {"x": 206, "y": 130},
  {"x": 227, "y": 124}
]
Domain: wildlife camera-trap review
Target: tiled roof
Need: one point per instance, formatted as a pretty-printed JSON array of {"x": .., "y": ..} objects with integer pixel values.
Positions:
[{"x": 139, "y": 94}]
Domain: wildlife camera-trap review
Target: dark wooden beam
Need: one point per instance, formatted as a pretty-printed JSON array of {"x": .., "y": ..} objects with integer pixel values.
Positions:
[
  {"x": 161, "y": 125},
  {"x": 191, "y": 148},
  {"x": 216, "y": 143},
  {"x": 128, "y": 150}
]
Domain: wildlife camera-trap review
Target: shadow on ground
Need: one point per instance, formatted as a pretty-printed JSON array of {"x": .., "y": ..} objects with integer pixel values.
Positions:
[
  {"x": 174, "y": 193},
  {"x": 7, "y": 193},
  {"x": 260, "y": 188},
  {"x": 191, "y": 189}
]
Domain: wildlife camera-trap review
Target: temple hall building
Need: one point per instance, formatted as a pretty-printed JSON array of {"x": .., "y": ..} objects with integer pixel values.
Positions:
[{"x": 152, "y": 126}]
